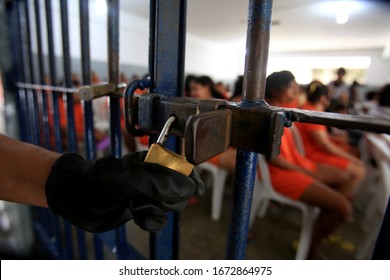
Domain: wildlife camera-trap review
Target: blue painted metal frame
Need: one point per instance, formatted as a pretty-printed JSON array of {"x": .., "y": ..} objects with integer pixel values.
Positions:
[
  {"x": 54, "y": 220},
  {"x": 32, "y": 101},
  {"x": 19, "y": 60},
  {"x": 71, "y": 132},
  {"x": 167, "y": 80},
  {"x": 122, "y": 248},
  {"x": 258, "y": 33},
  {"x": 88, "y": 117},
  {"x": 166, "y": 69},
  {"x": 44, "y": 101},
  {"x": 46, "y": 232}
]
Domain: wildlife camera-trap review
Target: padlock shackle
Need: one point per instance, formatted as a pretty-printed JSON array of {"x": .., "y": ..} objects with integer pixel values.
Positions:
[
  {"x": 166, "y": 130},
  {"x": 131, "y": 115}
]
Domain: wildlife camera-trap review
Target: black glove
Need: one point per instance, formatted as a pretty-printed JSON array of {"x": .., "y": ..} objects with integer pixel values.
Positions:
[{"x": 101, "y": 195}]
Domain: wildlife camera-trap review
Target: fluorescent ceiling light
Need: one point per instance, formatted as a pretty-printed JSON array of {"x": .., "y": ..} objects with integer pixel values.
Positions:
[
  {"x": 342, "y": 14},
  {"x": 336, "y": 8}
]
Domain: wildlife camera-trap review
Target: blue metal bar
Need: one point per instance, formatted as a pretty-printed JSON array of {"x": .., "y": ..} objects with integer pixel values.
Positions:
[
  {"x": 47, "y": 240},
  {"x": 44, "y": 102},
  {"x": 115, "y": 112},
  {"x": 43, "y": 215},
  {"x": 53, "y": 76},
  {"x": 56, "y": 116},
  {"x": 32, "y": 95},
  {"x": 259, "y": 25},
  {"x": 16, "y": 74},
  {"x": 126, "y": 253},
  {"x": 245, "y": 173},
  {"x": 113, "y": 75},
  {"x": 72, "y": 142},
  {"x": 88, "y": 116},
  {"x": 22, "y": 94},
  {"x": 86, "y": 76},
  {"x": 166, "y": 66}
]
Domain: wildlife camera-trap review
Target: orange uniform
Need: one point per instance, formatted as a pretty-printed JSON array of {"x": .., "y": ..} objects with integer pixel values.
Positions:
[
  {"x": 312, "y": 150},
  {"x": 288, "y": 182}
]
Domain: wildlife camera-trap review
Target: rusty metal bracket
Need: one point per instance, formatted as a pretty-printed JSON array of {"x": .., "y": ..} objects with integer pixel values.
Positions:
[{"x": 89, "y": 92}]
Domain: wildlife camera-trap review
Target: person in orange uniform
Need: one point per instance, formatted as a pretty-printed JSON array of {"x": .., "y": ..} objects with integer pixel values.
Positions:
[
  {"x": 300, "y": 178},
  {"x": 318, "y": 145}
]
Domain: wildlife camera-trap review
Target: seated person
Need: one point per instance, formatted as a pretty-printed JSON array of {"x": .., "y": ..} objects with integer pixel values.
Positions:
[
  {"x": 302, "y": 179},
  {"x": 318, "y": 144},
  {"x": 382, "y": 110}
]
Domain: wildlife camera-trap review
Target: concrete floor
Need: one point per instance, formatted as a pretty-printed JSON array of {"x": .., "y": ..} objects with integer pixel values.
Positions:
[{"x": 202, "y": 238}]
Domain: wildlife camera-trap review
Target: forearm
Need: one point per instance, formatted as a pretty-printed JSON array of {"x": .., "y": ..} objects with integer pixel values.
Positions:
[
  {"x": 324, "y": 142},
  {"x": 24, "y": 169},
  {"x": 335, "y": 150}
]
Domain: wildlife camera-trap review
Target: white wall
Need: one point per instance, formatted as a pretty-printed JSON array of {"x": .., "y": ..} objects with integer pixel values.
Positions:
[
  {"x": 134, "y": 34},
  {"x": 378, "y": 71},
  {"x": 221, "y": 61}
]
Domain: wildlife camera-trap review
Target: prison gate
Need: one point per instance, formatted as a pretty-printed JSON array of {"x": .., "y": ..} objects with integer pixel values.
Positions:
[{"x": 251, "y": 126}]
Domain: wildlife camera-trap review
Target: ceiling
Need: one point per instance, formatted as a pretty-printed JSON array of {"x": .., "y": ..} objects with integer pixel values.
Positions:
[{"x": 298, "y": 25}]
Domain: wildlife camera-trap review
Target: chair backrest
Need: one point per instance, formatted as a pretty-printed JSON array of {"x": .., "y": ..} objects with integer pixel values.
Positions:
[
  {"x": 265, "y": 176},
  {"x": 297, "y": 139},
  {"x": 381, "y": 154}
]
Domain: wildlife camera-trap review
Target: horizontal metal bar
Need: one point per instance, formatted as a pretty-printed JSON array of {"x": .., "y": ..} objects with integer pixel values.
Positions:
[
  {"x": 46, "y": 87},
  {"x": 343, "y": 121},
  {"x": 87, "y": 93},
  {"x": 184, "y": 107},
  {"x": 256, "y": 126}
]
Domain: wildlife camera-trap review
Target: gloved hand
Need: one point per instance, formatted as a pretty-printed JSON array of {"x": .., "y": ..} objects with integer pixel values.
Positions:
[{"x": 101, "y": 195}]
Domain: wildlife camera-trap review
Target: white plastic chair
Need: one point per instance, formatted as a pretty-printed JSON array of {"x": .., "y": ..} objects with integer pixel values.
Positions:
[
  {"x": 374, "y": 213},
  {"x": 264, "y": 193},
  {"x": 139, "y": 147},
  {"x": 219, "y": 176},
  {"x": 297, "y": 139}
]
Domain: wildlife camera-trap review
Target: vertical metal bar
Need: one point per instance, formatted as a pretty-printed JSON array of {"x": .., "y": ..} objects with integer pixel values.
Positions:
[
  {"x": 44, "y": 102},
  {"x": 115, "y": 113},
  {"x": 113, "y": 74},
  {"x": 86, "y": 77},
  {"x": 72, "y": 142},
  {"x": 88, "y": 114},
  {"x": 53, "y": 76},
  {"x": 56, "y": 116},
  {"x": 43, "y": 215},
  {"x": 166, "y": 65},
  {"x": 259, "y": 24},
  {"x": 21, "y": 96},
  {"x": 169, "y": 46},
  {"x": 67, "y": 75},
  {"x": 31, "y": 94},
  {"x": 245, "y": 173},
  {"x": 257, "y": 45}
]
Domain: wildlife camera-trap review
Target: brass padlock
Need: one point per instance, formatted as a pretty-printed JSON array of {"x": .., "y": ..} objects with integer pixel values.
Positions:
[{"x": 158, "y": 154}]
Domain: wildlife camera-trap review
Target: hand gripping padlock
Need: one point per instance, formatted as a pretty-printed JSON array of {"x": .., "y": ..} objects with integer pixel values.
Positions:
[{"x": 158, "y": 154}]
